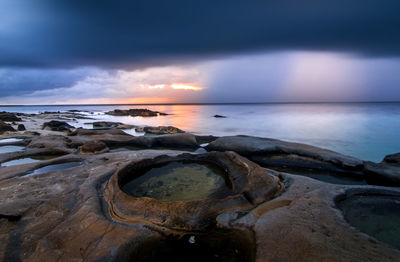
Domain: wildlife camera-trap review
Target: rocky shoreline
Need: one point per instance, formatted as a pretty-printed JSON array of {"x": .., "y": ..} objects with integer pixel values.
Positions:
[{"x": 62, "y": 197}]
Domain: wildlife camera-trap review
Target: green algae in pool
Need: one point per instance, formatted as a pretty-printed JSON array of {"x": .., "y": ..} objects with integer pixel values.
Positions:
[
  {"x": 177, "y": 181},
  {"x": 375, "y": 215}
]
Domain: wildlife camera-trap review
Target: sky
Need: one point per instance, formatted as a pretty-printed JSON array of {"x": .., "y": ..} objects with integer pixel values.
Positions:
[{"x": 182, "y": 51}]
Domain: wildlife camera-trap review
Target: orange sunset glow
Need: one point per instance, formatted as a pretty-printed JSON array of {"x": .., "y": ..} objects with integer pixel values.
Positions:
[{"x": 181, "y": 86}]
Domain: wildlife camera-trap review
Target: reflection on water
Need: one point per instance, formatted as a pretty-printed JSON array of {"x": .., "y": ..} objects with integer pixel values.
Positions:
[
  {"x": 365, "y": 130},
  {"x": 9, "y": 149},
  {"x": 10, "y": 140},
  {"x": 28, "y": 160},
  {"x": 378, "y": 216},
  {"x": 55, "y": 167},
  {"x": 178, "y": 181}
]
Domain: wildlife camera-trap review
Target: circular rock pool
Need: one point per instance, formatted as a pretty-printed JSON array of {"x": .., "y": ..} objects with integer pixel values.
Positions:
[
  {"x": 375, "y": 215},
  {"x": 179, "y": 181}
]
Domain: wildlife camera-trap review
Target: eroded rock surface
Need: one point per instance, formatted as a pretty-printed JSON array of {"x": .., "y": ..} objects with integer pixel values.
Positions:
[
  {"x": 4, "y": 127},
  {"x": 134, "y": 112},
  {"x": 9, "y": 117},
  {"x": 55, "y": 125},
  {"x": 73, "y": 207},
  {"x": 106, "y": 124},
  {"x": 248, "y": 146},
  {"x": 160, "y": 130}
]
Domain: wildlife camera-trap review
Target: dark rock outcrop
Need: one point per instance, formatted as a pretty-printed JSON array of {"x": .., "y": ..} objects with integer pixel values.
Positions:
[
  {"x": 250, "y": 146},
  {"x": 93, "y": 147},
  {"x": 106, "y": 124},
  {"x": 219, "y": 116},
  {"x": 160, "y": 130},
  {"x": 55, "y": 125},
  {"x": 21, "y": 127},
  {"x": 393, "y": 159},
  {"x": 382, "y": 174},
  {"x": 9, "y": 117},
  {"x": 134, "y": 112},
  {"x": 4, "y": 127}
]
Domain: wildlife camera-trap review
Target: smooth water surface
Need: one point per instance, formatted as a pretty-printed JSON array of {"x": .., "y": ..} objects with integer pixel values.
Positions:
[
  {"x": 10, "y": 140},
  {"x": 178, "y": 181},
  {"x": 54, "y": 167},
  {"x": 9, "y": 149},
  {"x": 378, "y": 216},
  {"x": 28, "y": 160},
  {"x": 368, "y": 131}
]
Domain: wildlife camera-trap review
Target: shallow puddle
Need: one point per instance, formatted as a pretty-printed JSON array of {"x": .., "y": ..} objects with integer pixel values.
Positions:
[
  {"x": 9, "y": 149},
  {"x": 212, "y": 247},
  {"x": 375, "y": 215},
  {"x": 179, "y": 181},
  {"x": 54, "y": 167},
  {"x": 10, "y": 140},
  {"x": 27, "y": 160}
]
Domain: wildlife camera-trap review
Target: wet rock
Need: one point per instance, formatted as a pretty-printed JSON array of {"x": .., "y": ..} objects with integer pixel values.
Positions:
[
  {"x": 49, "y": 142},
  {"x": 205, "y": 139},
  {"x": 9, "y": 117},
  {"x": 134, "y": 112},
  {"x": 249, "y": 146},
  {"x": 93, "y": 147},
  {"x": 21, "y": 127},
  {"x": 219, "y": 116},
  {"x": 111, "y": 137},
  {"x": 393, "y": 159},
  {"x": 55, "y": 125},
  {"x": 178, "y": 141},
  {"x": 4, "y": 127},
  {"x": 382, "y": 174},
  {"x": 105, "y": 124},
  {"x": 162, "y": 130}
]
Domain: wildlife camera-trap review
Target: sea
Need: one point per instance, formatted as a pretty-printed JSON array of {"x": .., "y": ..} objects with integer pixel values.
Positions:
[{"x": 368, "y": 131}]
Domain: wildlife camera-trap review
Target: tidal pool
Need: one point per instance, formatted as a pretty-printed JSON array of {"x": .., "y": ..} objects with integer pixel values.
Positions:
[
  {"x": 10, "y": 140},
  {"x": 375, "y": 215},
  {"x": 9, "y": 149},
  {"x": 27, "y": 160},
  {"x": 54, "y": 167},
  {"x": 179, "y": 181}
]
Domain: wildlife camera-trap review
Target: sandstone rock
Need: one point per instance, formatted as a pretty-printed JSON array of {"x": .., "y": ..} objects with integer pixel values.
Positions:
[
  {"x": 134, "y": 112},
  {"x": 249, "y": 183},
  {"x": 249, "y": 146},
  {"x": 9, "y": 117},
  {"x": 105, "y": 124},
  {"x": 162, "y": 130},
  {"x": 93, "y": 147},
  {"x": 21, "y": 127},
  {"x": 4, "y": 127},
  {"x": 55, "y": 125}
]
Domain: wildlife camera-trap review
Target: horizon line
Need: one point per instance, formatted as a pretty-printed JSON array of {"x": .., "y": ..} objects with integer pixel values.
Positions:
[{"x": 217, "y": 103}]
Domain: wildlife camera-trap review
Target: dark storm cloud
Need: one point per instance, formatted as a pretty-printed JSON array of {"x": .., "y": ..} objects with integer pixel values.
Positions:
[
  {"x": 16, "y": 82},
  {"x": 124, "y": 33}
]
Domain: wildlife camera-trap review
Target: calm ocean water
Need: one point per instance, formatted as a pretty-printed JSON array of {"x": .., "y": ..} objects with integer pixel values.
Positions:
[{"x": 365, "y": 130}]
